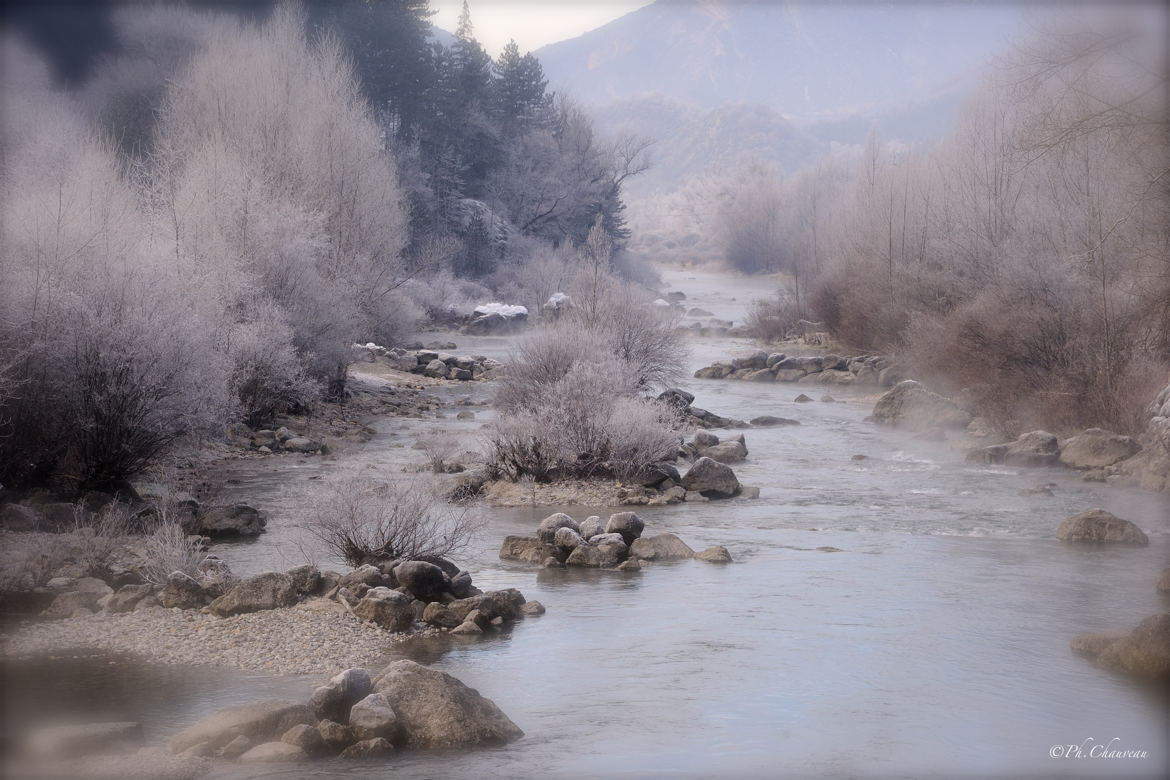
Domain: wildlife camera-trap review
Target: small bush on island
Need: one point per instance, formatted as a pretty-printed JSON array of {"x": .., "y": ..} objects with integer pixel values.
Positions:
[{"x": 362, "y": 521}]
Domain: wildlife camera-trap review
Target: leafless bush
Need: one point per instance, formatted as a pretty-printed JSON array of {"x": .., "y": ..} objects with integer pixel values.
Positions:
[
  {"x": 362, "y": 521},
  {"x": 439, "y": 449},
  {"x": 772, "y": 319},
  {"x": 169, "y": 549},
  {"x": 97, "y": 538}
]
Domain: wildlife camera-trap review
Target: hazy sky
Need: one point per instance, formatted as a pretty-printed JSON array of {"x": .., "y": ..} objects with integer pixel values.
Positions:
[{"x": 533, "y": 23}]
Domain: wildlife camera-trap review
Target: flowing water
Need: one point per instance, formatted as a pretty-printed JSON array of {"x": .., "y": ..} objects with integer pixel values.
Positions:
[{"x": 934, "y": 642}]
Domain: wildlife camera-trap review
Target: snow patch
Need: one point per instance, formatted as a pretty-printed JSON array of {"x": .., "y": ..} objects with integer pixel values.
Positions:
[{"x": 503, "y": 309}]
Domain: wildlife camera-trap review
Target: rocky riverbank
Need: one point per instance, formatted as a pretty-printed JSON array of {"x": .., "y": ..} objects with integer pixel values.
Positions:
[{"x": 829, "y": 369}]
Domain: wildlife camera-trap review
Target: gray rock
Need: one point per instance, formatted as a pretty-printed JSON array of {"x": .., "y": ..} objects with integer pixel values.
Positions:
[
  {"x": 436, "y": 369},
  {"x": 305, "y": 579},
  {"x": 711, "y": 478},
  {"x": 425, "y": 580},
  {"x": 336, "y": 736},
  {"x": 270, "y": 590},
  {"x": 653, "y": 474},
  {"x": 126, "y": 598},
  {"x": 74, "y": 741},
  {"x": 305, "y": 737},
  {"x": 677, "y": 398},
  {"x": 663, "y": 547},
  {"x": 768, "y": 421},
  {"x": 717, "y": 554},
  {"x": 368, "y": 748},
  {"x": 366, "y": 576},
  {"x": 440, "y": 616},
  {"x": 988, "y": 455},
  {"x": 911, "y": 406},
  {"x": 774, "y": 359},
  {"x": 16, "y": 517},
  {"x": 1096, "y": 449},
  {"x": 703, "y": 440},
  {"x": 751, "y": 359},
  {"x": 607, "y": 539},
  {"x": 1036, "y": 448},
  {"x": 605, "y": 555},
  {"x": 1163, "y": 585},
  {"x": 467, "y": 628},
  {"x": 547, "y": 530},
  {"x": 354, "y": 683},
  {"x": 592, "y": 526},
  {"x": 260, "y": 721},
  {"x": 727, "y": 452},
  {"x": 567, "y": 539},
  {"x": 1097, "y": 525},
  {"x": 532, "y": 609},
  {"x": 302, "y": 445},
  {"x": 1143, "y": 653},
  {"x": 231, "y": 751},
  {"x": 437, "y": 711},
  {"x": 461, "y": 586},
  {"x": 273, "y": 752},
  {"x": 234, "y": 520},
  {"x": 389, "y": 609},
  {"x": 802, "y": 399},
  {"x": 373, "y": 717},
  {"x": 183, "y": 592},
  {"x": 628, "y": 524}
]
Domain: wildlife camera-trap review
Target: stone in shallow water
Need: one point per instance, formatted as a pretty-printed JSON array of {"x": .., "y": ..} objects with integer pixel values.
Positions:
[
  {"x": 1097, "y": 525},
  {"x": 273, "y": 752}
]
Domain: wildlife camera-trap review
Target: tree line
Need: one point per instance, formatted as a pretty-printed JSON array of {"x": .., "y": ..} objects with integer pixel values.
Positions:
[{"x": 197, "y": 228}]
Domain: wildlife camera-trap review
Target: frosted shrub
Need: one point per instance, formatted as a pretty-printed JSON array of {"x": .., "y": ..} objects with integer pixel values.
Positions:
[
  {"x": 362, "y": 521},
  {"x": 267, "y": 375}
]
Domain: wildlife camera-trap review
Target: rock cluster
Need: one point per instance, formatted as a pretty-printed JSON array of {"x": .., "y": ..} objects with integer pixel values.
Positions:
[
  {"x": 707, "y": 444},
  {"x": 700, "y": 418},
  {"x": 760, "y": 366},
  {"x": 284, "y": 440},
  {"x": 35, "y": 514},
  {"x": 1096, "y": 452},
  {"x": 911, "y": 406},
  {"x": 617, "y": 543},
  {"x": 353, "y": 716},
  {"x": 435, "y": 364}
]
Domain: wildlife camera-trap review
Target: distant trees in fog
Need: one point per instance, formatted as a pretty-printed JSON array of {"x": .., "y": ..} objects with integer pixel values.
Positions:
[{"x": 1026, "y": 257}]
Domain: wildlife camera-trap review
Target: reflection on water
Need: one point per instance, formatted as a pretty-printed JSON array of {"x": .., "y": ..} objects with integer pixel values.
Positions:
[{"x": 935, "y": 642}]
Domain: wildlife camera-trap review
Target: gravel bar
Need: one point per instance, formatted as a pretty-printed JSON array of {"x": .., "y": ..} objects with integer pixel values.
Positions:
[{"x": 315, "y": 637}]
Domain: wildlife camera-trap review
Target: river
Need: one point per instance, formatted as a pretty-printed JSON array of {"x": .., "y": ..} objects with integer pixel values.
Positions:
[{"x": 935, "y": 642}]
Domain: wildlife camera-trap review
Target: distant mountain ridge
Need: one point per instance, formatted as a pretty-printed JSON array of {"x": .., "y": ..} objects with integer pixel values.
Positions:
[{"x": 809, "y": 62}]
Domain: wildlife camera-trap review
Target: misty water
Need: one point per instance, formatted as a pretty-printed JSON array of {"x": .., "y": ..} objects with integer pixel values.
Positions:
[{"x": 935, "y": 641}]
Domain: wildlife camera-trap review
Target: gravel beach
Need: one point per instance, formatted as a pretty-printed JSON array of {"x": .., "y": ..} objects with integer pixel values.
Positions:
[{"x": 315, "y": 637}]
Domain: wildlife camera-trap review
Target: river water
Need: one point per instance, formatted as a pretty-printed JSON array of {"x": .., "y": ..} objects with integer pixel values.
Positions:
[{"x": 935, "y": 642}]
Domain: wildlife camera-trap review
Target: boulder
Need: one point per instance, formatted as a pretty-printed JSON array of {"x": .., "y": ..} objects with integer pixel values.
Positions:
[
  {"x": 592, "y": 526},
  {"x": 16, "y": 517},
  {"x": 527, "y": 549},
  {"x": 910, "y": 405},
  {"x": 628, "y": 524},
  {"x": 461, "y": 586},
  {"x": 74, "y": 741},
  {"x": 366, "y": 576},
  {"x": 532, "y": 609},
  {"x": 653, "y": 474},
  {"x": 260, "y": 721},
  {"x": 802, "y": 399},
  {"x": 373, "y": 717},
  {"x": 1097, "y": 525},
  {"x": 437, "y": 711},
  {"x": 1163, "y": 585},
  {"x": 663, "y": 547},
  {"x": 727, "y": 452},
  {"x": 988, "y": 455},
  {"x": 440, "y": 616},
  {"x": 711, "y": 478},
  {"x": 305, "y": 579},
  {"x": 183, "y": 592},
  {"x": 425, "y": 580},
  {"x": 302, "y": 445},
  {"x": 306, "y": 737},
  {"x": 716, "y": 370},
  {"x": 270, "y": 590},
  {"x": 368, "y": 748},
  {"x": 336, "y": 736},
  {"x": 703, "y": 440},
  {"x": 1096, "y": 449},
  {"x": 231, "y": 751},
  {"x": 567, "y": 539},
  {"x": 1144, "y": 652},
  {"x": 603, "y": 556},
  {"x": 677, "y": 398},
  {"x": 768, "y": 421},
  {"x": 436, "y": 369},
  {"x": 234, "y": 520},
  {"x": 126, "y": 598},
  {"x": 547, "y": 530},
  {"x": 1036, "y": 448},
  {"x": 717, "y": 554},
  {"x": 273, "y": 752},
  {"x": 389, "y": 609},
  {"x": 85, "y": 597}
]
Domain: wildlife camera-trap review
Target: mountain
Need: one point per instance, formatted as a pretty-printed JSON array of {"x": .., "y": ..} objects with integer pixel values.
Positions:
[{"x": 809, "y": 62}]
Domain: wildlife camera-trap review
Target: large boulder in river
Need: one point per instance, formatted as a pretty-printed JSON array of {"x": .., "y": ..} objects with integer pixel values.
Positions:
[
  {"x": 527, "y": 549},
  {"x": 711, "y": 478},
  {"x": 234, "y": 520},
  {"x": 603, "y": 555},
  {"x": 662, "y": 547},
  {"x": 1097, "y": 525},
  {"x": 628, "y": 524},
  {"x": 1144, "y": 652},
  {"x": 425, "y": 580},
  {"x": 910, "y": 405},
  {"x": 1036, "y": 448},
  {"x": 547, "y": 530},
  {"x": 270, "y": 590},
  {"x": 727, "y": 452},
  {"x": 373, "y": 717},
  {"x": 182, "y": 591},
  {"x": 390, "y": 609},
  {"x": 259, "y": 722},
  {"x": 1096, "y": 449},
  {"x": 437, "y": 711}
]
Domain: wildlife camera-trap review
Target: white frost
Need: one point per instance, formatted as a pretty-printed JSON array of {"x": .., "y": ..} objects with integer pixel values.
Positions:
[{"x": 503, "y": 309}]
